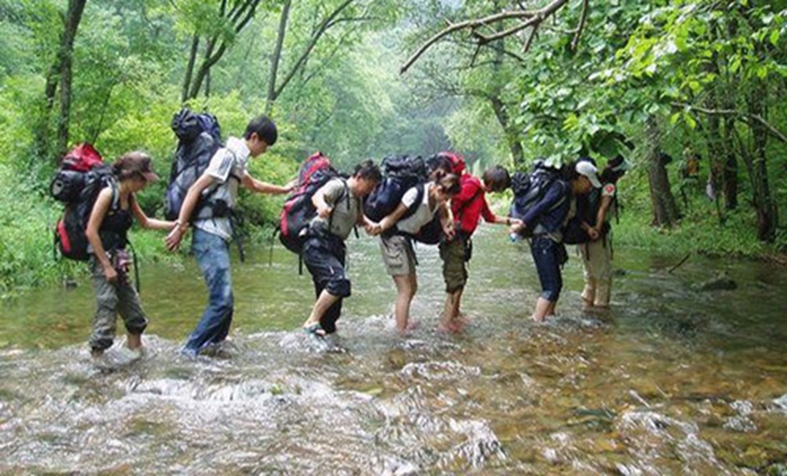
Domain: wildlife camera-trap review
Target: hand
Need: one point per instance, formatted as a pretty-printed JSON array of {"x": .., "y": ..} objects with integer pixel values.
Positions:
[
  {"x": 374, "y": 229},
  {"x": 291, "y": 185},
  {"x": 110, "y": 274},
  {"x": 593, "y": 233},
  {"x": 369, "y": 227},
  {"x": 516, "y": 222},
  {"x": 518, "y": 228},
  {"x": 449, "y": 231},
  {"x": 324, "y": 211},
  {"x": 174, "y": 237}
]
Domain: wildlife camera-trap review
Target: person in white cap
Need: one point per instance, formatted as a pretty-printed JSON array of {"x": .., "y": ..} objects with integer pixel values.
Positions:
[
  {"x": 546, "y": 219},
  {"x": 597, "y": 253}
]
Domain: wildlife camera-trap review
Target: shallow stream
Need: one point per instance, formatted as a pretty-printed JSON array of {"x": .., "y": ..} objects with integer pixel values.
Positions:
[{"x": 673, "y": 380}]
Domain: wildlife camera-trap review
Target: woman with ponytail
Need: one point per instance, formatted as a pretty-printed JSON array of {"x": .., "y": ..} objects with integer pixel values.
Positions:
[{"x": 107, "y": 230}]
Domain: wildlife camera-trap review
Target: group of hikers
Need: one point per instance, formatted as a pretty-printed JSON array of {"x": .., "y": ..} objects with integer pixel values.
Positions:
[{"x": 573, "y": 205}]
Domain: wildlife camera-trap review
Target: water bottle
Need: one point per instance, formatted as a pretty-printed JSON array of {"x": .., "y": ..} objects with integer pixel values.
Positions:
[{"x": 514, "y": 237}]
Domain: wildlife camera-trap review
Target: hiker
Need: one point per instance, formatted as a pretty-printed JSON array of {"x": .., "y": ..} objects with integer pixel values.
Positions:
[
  {"x": 544, "y": 221},
  {"x": 107, "y": 234},
  {"x": 339, "y": 205},
  {"x": 207, "y": 206},
  {"x": 597, "y": 252},
  {"x": 467, "y": 208},
  {"x": 688, "y": 173},
  {"x": 396, "y": 242}
]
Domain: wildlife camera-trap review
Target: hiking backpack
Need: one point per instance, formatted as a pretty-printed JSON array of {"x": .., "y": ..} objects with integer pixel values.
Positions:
[
  {"x": 401, "y": 172},
  {"x": 298, "y": 210},
  {"x": 199, "y": 137},
  {"x": 531, "y": 188},
  {"x": 81, "y": 176}
]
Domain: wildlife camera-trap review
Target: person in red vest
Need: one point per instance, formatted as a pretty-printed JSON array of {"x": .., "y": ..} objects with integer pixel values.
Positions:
[{"x": 468, "y": 207}]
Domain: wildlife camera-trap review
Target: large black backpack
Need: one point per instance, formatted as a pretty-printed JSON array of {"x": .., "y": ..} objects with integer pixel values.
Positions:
[
  {"x": 530, "y": 188},
  {"x": 81, "y": 176},
  {"x": 401, "y": 173},
  {"x": 199, "y": 137}
]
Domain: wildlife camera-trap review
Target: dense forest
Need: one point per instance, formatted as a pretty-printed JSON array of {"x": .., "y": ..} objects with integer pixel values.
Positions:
[{"x": 663, "y": 82}]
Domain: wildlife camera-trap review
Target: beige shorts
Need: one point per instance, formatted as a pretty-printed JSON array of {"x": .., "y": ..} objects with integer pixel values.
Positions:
[{"x": 398, "y": 255}]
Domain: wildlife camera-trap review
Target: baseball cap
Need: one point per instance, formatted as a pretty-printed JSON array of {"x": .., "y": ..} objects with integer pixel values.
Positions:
[{"x": 588, "y": 170}]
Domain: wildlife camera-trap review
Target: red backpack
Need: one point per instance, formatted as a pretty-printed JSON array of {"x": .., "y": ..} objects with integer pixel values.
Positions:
[
  {"x": 298, "y": 209},
  {"x": 81, "y": 176}
]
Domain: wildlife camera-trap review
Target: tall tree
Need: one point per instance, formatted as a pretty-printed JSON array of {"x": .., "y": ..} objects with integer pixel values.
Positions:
[{"x": 216, "y": 29}]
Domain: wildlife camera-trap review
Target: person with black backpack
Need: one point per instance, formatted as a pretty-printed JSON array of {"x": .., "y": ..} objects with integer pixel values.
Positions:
[
  {"x": 597, "y": 252},
  {"x": 339, "y": 208},
  {"x": 107, "y": 229},
  {"x": 543, "y": 221},
  {"x": 398, "y": 228},
  {"x": 218, "y": 188}
]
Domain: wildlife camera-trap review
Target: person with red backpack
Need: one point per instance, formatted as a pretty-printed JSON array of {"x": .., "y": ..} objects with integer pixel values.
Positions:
[
  {"x": 339, "y": 208},
  {"x": 213, "y": 229},
  {"x": 467, "y": 207},
  {"x": 114, "y": 209}
]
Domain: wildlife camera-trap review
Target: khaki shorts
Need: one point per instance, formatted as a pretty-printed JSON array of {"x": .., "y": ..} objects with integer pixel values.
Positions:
[
  {"x": 454, "y": 269},
  {"x": 398, "y": 255}
]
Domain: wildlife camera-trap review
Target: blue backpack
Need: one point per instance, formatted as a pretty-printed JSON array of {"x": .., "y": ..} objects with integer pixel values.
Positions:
[
  {"x": 531, "y": 188},
  {"x": 199, "y": 137}
]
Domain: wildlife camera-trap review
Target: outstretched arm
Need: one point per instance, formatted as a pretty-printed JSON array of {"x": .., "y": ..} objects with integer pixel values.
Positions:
[
  {"x": 259, "y": 186},
  {"x": 189, "y": 203},
  {"x": 146, "y": 222}
]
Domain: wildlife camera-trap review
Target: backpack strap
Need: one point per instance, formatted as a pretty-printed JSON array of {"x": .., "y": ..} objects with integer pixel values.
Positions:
[{"x": 345, "y": 194}]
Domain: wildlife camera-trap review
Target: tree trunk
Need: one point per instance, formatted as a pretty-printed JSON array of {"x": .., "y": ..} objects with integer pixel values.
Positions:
[
  {"x": 767, "y": 220},
  {"x": 730, "y": 179},
  {"x": 665, "y": 212},
  {"x": 276, "y": 57},
  {"x": 512, "y": 139},
  {"x": 73, "y": 17},
  {"x": 184, "y": 94},
  {"x": 238, "y": 16}
]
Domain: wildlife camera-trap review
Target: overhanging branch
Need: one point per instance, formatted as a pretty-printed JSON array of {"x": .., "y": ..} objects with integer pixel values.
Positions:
[
  {"x": 529, "y": 18},
  {"x": 739, "y": 115}
]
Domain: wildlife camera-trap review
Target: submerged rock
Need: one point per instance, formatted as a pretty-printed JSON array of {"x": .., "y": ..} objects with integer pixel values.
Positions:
[{"x": 721, "y": 282}]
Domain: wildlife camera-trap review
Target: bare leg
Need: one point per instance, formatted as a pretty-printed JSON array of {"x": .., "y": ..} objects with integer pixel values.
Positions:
[
  {"x": 543, "y": 308},
  {"x": 406, "y": 287},
  {"x": 323, "y": 303},
  {"x": 134, "y": 341},
  {"x": 452, "y": 321}
]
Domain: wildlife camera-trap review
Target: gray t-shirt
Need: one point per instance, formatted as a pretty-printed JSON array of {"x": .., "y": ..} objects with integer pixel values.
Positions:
[
  {"x": 227, "y": 167},
  {"x": 346, "y": 208}
]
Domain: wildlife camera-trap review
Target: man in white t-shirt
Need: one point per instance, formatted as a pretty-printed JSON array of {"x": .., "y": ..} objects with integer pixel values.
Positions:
[{"x": 210, "y": 217}]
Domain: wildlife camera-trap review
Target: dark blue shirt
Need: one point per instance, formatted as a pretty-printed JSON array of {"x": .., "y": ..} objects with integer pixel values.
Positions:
[{"x": 551, "y": 211}]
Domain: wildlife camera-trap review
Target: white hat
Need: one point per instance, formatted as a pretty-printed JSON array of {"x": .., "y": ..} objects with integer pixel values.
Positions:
[{"x": 587, "y": 169}]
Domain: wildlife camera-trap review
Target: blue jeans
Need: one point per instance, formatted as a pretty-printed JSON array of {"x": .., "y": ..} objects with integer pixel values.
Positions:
[
  {"x": 547, "y": 257},
  {"x": 213, "y": 256}
]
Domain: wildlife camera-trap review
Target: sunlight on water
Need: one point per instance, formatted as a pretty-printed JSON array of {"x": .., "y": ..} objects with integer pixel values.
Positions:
[{"x": 672, "y": 381}]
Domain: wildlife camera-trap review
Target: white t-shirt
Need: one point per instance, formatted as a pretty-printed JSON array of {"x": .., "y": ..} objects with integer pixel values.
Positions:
[
  {"x": 423, "y": 214},
  {"x": 227, "y": 167}
]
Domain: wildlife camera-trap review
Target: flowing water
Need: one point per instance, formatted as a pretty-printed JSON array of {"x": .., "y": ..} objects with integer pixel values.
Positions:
[{"x": 673, "y": 380}]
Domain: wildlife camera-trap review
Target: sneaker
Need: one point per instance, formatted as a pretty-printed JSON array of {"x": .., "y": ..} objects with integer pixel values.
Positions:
[{"x": 117, "y": 358}]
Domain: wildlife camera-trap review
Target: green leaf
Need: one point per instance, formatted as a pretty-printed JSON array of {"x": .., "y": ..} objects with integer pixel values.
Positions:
[{"x": 775, "y": 37}]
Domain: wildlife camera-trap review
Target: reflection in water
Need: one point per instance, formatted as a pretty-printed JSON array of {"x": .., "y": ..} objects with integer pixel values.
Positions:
[{"x": 671, "y": 381}]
